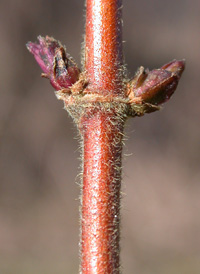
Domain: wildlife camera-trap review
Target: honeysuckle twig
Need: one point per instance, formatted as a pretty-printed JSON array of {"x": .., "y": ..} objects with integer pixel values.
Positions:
[{"x": 99, "y": 99}]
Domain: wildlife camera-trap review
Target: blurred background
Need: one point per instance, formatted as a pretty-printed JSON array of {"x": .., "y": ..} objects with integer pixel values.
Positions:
[{"x": 39, "y": 149}]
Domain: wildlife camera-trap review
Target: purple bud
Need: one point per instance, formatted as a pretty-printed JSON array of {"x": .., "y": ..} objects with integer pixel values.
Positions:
[
  {"x": 157, "y": 86},
  {"x": 55, "y": 63}
]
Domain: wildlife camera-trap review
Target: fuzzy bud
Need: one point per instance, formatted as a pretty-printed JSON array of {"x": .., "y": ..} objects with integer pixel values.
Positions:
[
  {"x": 156, "y": 86},
  {"x": 56, "y": 64}
]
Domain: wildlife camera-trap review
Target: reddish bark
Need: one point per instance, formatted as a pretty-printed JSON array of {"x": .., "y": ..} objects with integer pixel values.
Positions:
[
  {"x": 103, "y": 47},
  {"x": 99, "y": 99},
  {"x": 102, "y": 135},
  {"x": 102, "y": 144}
]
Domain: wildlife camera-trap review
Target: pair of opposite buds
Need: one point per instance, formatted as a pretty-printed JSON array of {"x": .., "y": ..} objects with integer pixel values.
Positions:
[{"x": 154, "y": 87}]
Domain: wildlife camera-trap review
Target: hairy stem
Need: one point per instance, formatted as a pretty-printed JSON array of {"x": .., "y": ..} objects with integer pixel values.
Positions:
[
  {"x": 99, "y": 99},
  {"x": 101, "y": 129},
  {"x": 102, "y": 135},
  {"x": 103, "y": 47}
]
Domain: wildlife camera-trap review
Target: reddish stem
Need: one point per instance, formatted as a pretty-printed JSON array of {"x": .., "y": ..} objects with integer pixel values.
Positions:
[
  {"x": 103, "y": 48},
  {"x": 99, "y": 99},
  {"x": 101, "y": 129},
  {"x": 101, "y": 193}
]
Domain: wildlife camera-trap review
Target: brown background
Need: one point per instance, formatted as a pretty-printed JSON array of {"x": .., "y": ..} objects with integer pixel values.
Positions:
[{"x": 39, "y": 148}]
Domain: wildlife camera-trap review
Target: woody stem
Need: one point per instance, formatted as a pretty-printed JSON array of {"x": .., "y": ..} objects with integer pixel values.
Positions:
[{"x": 101, "y": 127}]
